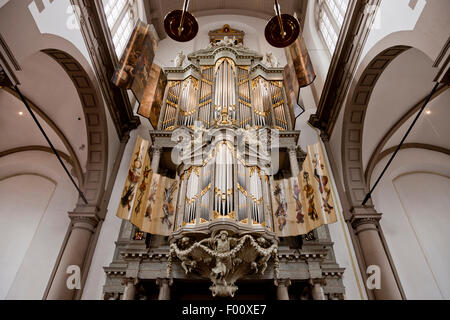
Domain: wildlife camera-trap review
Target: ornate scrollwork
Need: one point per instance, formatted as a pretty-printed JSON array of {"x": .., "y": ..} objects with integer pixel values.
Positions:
[{"x": 224, "y": 259}]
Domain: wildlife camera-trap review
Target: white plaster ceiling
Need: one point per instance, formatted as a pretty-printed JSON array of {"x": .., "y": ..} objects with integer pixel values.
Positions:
[
  {"x": 46, "y": 83},
  {"x": 405, "y": 82},
  {"x": 432, "y": 128},
  {"x": 20, "y": 130},
  {"x": 156, "y": 10}
]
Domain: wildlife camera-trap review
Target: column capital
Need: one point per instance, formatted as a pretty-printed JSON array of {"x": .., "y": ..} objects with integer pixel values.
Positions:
[
  {"x": 130, "y": 280},
  {"x": 364, "y": 215},
  {"x": 283, "y": 283},
  {"x": 359, "y": 221},
  {"x": 293, "y": 149},
  {"x": 156, "y": 148},
  {"x": 84, "y": 220},
  {"x": 164, "y": 281}
]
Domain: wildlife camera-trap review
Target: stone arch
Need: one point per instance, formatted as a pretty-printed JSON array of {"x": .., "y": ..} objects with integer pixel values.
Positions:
[
  {"x": 96, "y": 127},
  {"x": 62, "y": 154},
  {"x": 353, "y": 123}
]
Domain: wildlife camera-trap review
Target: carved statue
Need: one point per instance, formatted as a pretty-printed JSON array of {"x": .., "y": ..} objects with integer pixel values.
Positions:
[
  {"x": 226, "y": 41},
  {"x": 222, "y": 242},
  {"x": 188, "y": 265},
  {"x": 179, "y": 59},
  {"x": 271, "y": 60},
  {"x": 224, "y": 259}
]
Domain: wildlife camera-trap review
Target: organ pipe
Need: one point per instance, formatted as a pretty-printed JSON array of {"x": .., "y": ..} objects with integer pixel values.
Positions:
[{"x": 229, "y": 186}]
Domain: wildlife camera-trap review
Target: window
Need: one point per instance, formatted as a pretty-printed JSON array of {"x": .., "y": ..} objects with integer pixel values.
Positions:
[
  {"x": 330, "y": 19},
  {"x": 121, "y": 17}
]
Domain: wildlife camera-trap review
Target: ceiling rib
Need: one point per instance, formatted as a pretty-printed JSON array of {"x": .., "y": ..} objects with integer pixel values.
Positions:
[
  {"x": 374, "y": 157},
  {"x": 59, "y": 133}
]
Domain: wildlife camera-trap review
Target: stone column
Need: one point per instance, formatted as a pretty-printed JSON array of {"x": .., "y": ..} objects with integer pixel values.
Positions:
[
  {"x": 367, "y": 230},
  {"x": 129, "y": 292},
  {"x": 164, "y": 288},
  {"x": 156, "y": 158},
  {"x": 282, "y": 289},
  {"x": 294, "y": 161},
  {"x": 82, "y": 228},
  {"x": 317, "y": 290}
]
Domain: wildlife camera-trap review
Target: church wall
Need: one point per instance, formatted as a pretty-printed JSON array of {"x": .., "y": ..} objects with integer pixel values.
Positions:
[
  {"x": 53, "y": 27},
  {"x": 20, "y": 214},
  {"x": 57, "y": 19},
  {"x": 55, "y": 23},
  {"x": 414, "y": 197},
  {"x": 40, "y": 238},
  {"x": 398, "y": 89},
  {"x": 423, "y": 27}
]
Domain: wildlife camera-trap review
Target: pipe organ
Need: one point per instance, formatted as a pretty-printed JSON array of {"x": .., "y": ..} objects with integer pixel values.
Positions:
[
  {"x": 221, "y": 176},
  {"x": 229, "y": 92},
  {"x": 226, "y": 125},
  {"x": 226, "y": 89},
  {"x": 250, "y": 94}
]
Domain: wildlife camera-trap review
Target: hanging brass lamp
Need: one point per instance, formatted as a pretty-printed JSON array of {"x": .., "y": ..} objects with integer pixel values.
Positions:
[
  {"x": 180, "y": 25},
  {"x": 282, "y": 30}
]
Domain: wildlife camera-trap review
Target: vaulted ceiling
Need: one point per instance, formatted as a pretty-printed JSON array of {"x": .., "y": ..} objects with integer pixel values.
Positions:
[{"x": 156, "y": 10}]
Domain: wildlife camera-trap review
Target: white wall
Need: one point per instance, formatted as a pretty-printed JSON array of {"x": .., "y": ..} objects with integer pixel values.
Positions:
[
  {"x": 319, "y": 54},
  {"x": 424, "y": 27},
  {"x": 39, "y": 237},
  {"x": 24, "y": 199},
  {"x": 414, "y": 197},
  {"x": 254, "y": 38}
]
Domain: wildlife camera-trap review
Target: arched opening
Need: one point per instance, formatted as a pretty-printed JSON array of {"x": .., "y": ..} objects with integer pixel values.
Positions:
[
  {"x": 35, "y": 189},
  {"x": 385, "y": 100}
]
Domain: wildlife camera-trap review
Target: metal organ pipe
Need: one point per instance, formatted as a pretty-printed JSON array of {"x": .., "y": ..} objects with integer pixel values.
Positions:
[
  {"x": 225, "y": 87},
  {"x": 224, "y": 192}
]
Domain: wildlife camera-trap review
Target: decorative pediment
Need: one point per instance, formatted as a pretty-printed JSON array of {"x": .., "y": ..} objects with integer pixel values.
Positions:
[{"x": 226, "y": 31}]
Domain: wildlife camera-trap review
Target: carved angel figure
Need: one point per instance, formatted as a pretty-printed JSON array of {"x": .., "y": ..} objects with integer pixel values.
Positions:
[
  {"x": 222, "y": 244},
  {"x": 226, "y": 41},
  {"x": 271, "y": 60},
  {"x": 179, "y": 59}
]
